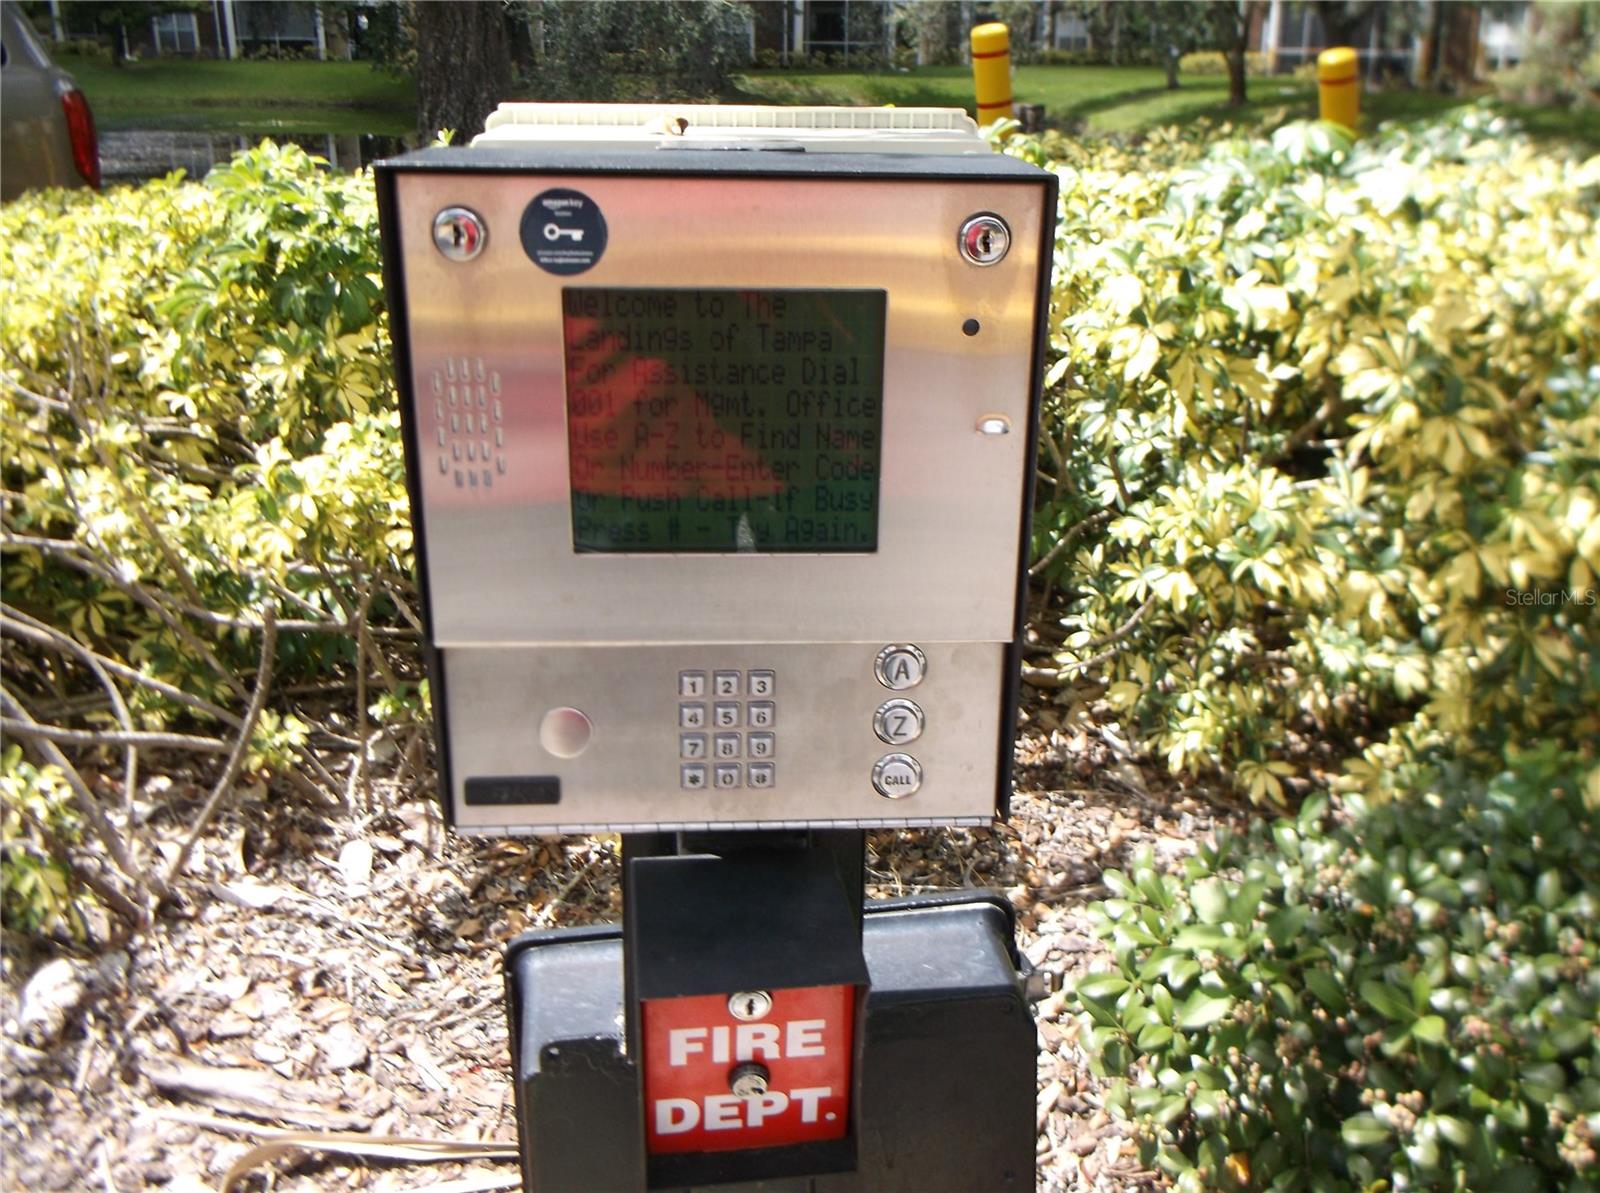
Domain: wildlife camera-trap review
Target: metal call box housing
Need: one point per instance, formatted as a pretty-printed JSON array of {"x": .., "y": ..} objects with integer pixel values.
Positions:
[{"x": 719, "y": 465}]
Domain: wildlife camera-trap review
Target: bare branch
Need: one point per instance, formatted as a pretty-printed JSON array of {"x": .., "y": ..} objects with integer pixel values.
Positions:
[
  {"x": 1066, "y": 540},
  {"x": 108, "y": 737},
  {"x": 49, "y": 753},
  {"x": 1059, "y": 677},
  {"x": 20, "y": 625},
  {"x": 241, "y": 745}
]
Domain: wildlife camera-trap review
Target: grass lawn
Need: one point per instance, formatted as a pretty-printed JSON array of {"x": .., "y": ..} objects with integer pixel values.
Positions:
[
  {"x": 1118, "y": 99},
  {"x": 262, "y": 97},
  {"x": 209, "y": 95}
]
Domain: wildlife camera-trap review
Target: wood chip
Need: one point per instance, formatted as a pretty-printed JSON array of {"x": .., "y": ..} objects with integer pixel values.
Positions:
[{"x": 251, "y": 1092}]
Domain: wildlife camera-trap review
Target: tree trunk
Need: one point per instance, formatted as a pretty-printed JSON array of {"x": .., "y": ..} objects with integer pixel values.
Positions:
[
  {"x": 1230, "y": 30},
  {"x": 1236, "y": 85},
  {"x": 463, "y": 65},
  {"x": 1339, "y": 19},
  {"x": 1172, "y": 68}
]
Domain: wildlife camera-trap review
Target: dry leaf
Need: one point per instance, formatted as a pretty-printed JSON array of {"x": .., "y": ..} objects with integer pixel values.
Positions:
[
  {"x": 355, "y": 865},
  {"x": 254, "y": 895}
]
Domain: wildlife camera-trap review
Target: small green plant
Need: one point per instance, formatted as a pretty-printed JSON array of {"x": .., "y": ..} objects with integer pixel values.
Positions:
[
  {"x": 38, "y": 889},
  {"x": 1408, "y": 992}
]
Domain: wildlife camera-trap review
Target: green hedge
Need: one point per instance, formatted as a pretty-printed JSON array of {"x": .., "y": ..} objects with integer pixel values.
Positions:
[
  {"x": 1322, "y": 511},
  {"x": 1321, "y": 450},
  {"x": 201, "y": 433},
  {"x": 1406, "y": 992}
]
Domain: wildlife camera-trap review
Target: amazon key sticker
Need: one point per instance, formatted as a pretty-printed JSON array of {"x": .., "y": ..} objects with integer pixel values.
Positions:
[{"x": 563, "y": 231}]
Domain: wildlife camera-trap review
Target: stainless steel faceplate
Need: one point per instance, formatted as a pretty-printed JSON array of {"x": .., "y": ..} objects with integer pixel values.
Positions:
[
  {"x": 502, "y": 567},
  {"x": 526, "y": 625}
]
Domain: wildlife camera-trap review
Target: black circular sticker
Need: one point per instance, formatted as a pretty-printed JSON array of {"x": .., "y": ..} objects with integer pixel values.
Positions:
[{"x": 563, "y": 231}]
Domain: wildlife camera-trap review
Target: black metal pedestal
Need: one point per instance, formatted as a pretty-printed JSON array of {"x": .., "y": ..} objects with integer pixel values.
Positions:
[{"x": 944, "y": 1084}]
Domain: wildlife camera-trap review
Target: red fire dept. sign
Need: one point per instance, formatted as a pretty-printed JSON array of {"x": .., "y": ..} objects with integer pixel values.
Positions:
[{"x": 695, "y": 1049}]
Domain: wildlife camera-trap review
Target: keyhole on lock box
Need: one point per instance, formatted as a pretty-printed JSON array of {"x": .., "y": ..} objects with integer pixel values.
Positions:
[{"x": 749, "y": 1004}]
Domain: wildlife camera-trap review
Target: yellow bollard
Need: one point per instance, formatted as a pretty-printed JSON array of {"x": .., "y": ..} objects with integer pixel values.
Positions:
[
  {"x": 1339, "y": 86},
  {"x": 991, "y": 71}
]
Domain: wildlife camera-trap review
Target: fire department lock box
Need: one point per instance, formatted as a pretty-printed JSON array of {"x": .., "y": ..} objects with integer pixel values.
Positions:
[{"x": 719, "y": 451}]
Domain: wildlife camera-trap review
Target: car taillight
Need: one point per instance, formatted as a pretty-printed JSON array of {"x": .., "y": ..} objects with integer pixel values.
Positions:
[{"x": 80, "y": 128}]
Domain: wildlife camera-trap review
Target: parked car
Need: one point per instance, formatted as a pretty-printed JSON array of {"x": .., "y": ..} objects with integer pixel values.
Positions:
[{"x": 47, "y": 135}]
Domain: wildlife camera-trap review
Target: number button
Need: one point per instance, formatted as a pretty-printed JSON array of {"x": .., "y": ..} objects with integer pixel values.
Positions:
[
  {"x": 727, "y": 715},
  {"x": 691, "y": 745},
  {"x": 762, "y": 745},
  {"x": 897, "y": 722},
  {"x": 725, "y": 683},
  {"x": 762, "y": 774},
  {"x": 762, "y": 683},
  {"x": 726, "y": 745},
  {"x": 691, "y": 716},
  {"x": 692, "y": 776},
  {"x": 691, "y": 683},
  {"x": 763, "y": 715},
  {"x": 727, "y": 776}
]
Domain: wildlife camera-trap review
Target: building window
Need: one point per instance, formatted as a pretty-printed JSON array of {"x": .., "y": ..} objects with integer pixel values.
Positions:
[
  {"x": 1072, "y": 32},
  {"x": 175, "y": 33}
]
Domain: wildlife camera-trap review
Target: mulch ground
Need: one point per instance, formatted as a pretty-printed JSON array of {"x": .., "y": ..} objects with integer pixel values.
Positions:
[{"x": 342, "y": 975}]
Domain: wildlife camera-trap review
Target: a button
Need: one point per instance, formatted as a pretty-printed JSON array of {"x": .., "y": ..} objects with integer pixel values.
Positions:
[
  {"x": 900, "y": 667},
  {"x": 897, "y": 775},
  {"x": 565, "y": 732},
  {"x": 726, "y": 745},
  {"x": 691, "y": 716},
  {"x": 763, "y": 715},
  {"x": 727, "y": 776},
  {"x": 691, "y": 683},
  {"x": 725, "y": 683},
  {"x": 763, "y": 745},
  {"x": 897, "y": 722},
  {"x": 761, "y": 683},
  {"x": 762, "y": 774},
  {"x": 691, "y": 745},
  {"x": 726, "y": 716},
  {"x": 692, "y": 776}
]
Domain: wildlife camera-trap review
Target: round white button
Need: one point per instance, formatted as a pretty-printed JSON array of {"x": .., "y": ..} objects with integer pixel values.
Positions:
[
  {"x": 897, "y": 722},
  {"x": 897, "y": 775},
  {"x": 900, "y": 667},
  {"x": 565, "y": 732}
]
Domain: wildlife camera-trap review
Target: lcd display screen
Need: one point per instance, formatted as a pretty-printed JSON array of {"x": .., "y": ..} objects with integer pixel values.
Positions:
[{"x": 724, "y": 421}]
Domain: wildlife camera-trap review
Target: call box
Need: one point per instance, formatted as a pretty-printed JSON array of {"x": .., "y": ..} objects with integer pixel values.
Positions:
[{"x": 719, "y": 429}]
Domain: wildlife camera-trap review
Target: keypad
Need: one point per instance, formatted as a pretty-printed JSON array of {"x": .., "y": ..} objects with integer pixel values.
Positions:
[{"x": 740, "y": 709}]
